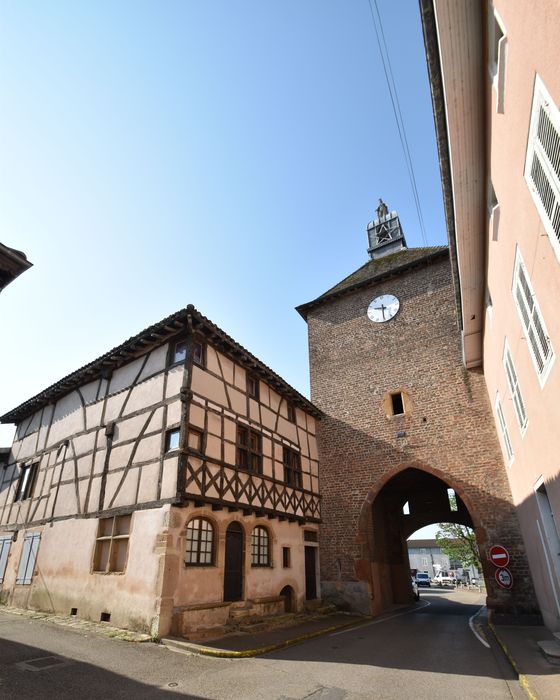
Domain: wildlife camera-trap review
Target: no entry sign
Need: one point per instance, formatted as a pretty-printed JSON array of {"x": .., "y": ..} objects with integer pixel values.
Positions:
[
  {"x": 498, "y": 555},
  {"x": 504, "y": 578}
]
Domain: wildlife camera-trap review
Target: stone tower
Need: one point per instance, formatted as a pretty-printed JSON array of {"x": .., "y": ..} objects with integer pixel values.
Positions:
[{"x": 404, "y": 422}]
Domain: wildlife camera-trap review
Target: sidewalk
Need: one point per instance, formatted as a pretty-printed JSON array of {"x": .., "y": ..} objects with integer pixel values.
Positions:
[
  {"x": 539, "y": 677},
  {"x": 241, "y": 645}
]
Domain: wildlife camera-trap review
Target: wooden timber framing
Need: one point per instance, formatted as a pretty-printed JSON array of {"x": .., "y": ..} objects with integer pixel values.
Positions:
[{"x": 99, "y": 435}]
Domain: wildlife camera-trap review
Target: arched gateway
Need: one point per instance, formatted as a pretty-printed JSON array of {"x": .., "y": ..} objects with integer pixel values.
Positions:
[{"x": 403, "y": 421}]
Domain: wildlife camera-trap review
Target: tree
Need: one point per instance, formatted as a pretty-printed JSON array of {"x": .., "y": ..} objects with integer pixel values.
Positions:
[{"x": 459, "y": 543}]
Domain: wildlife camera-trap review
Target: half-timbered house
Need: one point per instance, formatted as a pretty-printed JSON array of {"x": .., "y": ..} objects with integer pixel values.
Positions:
[{"x": 169, "y": 485}]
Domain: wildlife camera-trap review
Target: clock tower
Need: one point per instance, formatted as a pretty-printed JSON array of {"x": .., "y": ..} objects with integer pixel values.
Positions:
[{"x": 407, "y": 438}]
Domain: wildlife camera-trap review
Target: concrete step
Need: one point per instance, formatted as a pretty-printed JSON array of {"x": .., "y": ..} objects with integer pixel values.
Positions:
[
  {"x": 241, "y": 613},
  {"x": 551, "y": 649}
]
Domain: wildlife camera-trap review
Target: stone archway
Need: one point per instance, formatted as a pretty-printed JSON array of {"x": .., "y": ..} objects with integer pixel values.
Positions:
[{"x": 383, "y": 528}]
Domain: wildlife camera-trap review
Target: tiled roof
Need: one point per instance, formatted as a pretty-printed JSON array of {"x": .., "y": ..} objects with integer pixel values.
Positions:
[
  {"x": 375, "y": 270},
  {"x": 150, "y": 338}
]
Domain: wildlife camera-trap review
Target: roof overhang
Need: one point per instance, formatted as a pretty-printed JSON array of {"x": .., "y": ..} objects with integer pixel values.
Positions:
[
  {"x": 455, "y": 50},
  {"x": 12, "y": 263}
]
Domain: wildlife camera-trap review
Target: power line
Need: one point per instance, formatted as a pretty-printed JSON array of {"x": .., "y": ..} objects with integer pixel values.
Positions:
[{"x": 391, "y": 86}]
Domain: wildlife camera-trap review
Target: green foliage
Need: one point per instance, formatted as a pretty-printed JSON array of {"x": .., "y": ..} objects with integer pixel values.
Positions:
[{"x": 459, "y": 543}]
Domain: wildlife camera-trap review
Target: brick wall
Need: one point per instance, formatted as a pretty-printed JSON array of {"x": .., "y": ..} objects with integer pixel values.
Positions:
[{"x": 449, "y": 425}]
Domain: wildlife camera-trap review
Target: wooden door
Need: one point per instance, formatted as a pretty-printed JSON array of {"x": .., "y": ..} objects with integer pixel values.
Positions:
[
  {"x": 310, "y": 573},
  {"x": 233, "y": 570}
]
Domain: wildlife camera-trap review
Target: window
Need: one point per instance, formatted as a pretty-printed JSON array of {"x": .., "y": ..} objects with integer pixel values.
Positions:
[
  {"x": 286, "y": 557},
  {"x": 504, "y": 430},
  {"x": 498, "y": 47},
  {"x": 539, "y": 343},
  {"x": 292, "y": 467},
  {"x": 198, "y": 352},
  {"x": 397, "y": 404},
  {"x": 291, "y": 412},
  {"x": 514, "y": 389},
  {"x": 172, "y": 439},
  {"x": 310, "y": 536},
  {"x": 196, "y": 439},
  {"x": 28, "y": 558},
  {"x": 542, "y": 165},
  {"x": 249, "y": 449},
  {"x": 253, "y": 386},
  {"x": 5, "y": 544},
  {"x": 26, "y": 482},
  {"x": 111, "y": 545},
  {"x": 179, "y": 353},
  {"x": 200, "y": 542},
  {"x": 260, "y": 547}
]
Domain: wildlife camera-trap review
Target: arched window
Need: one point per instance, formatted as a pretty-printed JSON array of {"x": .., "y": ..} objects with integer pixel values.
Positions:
[
  {"x": 200, "y": 542},
  {"x": 260, "y": 547}
]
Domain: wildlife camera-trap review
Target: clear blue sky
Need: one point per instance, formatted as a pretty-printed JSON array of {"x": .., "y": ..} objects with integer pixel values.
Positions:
[{"x": 225, "y": 154}]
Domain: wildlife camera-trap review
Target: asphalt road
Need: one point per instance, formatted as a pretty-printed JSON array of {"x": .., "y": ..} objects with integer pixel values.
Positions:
[{"x": 427, "y": 652}]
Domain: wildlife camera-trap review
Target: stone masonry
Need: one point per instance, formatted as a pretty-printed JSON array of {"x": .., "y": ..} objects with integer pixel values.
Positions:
[{"x": 447, "y": 429}]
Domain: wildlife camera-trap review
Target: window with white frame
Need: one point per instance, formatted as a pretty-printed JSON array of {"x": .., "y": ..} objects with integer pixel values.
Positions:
[
  {"x": 503, "y": 429},
  {"x": 539, "y": 343},
  {"x": 28, "y": 558},
  {"x": 542, "y": 165},
  {"x": 514, "y": 389},
  {"x": 498, "y": 47}
]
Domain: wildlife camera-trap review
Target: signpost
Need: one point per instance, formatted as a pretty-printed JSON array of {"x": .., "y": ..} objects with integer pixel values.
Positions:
[
  {"x": 498, "y": 555},
  {"x": 503, "y": 577}
]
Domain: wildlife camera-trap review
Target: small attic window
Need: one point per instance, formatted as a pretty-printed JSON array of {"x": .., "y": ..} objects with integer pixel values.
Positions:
[{"x": 397, "y": 404}]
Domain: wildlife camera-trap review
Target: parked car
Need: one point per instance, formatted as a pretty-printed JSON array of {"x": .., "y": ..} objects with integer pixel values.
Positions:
[
  {"x": 444, "y": 579},
  {"x": 415, "y": 591},
  {"x": 423, "y": 579}
]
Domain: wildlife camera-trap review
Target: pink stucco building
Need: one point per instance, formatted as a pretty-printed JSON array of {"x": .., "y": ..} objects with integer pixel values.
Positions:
[{"x": 496, "y": 95}]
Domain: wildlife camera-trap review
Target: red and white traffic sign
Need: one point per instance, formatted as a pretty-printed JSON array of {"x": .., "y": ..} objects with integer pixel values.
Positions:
[
  {"x": 498, "y": 555},
  {"x": 504, "y": 579}
]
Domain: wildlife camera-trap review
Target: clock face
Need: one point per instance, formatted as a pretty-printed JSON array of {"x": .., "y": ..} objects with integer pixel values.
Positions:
[{"x": 383, "y": 308}]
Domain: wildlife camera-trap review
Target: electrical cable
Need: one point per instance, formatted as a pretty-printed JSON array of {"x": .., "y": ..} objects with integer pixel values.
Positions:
[{"x": 391, "y": 86}]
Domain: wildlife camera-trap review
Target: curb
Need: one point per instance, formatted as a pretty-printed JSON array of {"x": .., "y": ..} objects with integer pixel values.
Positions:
[
  {"x": 79, "y": 624},
  {"x": 522, "y": 678},
  {"x": 178, "y": 645}
]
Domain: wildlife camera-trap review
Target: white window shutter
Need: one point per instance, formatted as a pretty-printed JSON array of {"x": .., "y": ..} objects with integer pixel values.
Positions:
[
  {"x": 5, "y": 543},
  {"x": 28, "y": 558}
]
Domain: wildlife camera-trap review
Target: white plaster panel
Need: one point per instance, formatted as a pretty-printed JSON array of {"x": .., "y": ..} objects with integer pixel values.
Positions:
[
  {"x": 302, "y": 441},
  {"x": 66, "y": 502},
  {"x": 83, "y": 443},
  {"x": 113, "y": 406},
  {"x": 34, "y": 423},
  {"x": 93, "y": 414},
  {"x": 148, "y": 448},
  {"x": 120, "y": 456},
  {"x": 82, "y": 489},
  {"x": 130, "y": 428},
  {"x": 124, "y": 376},
  {"x": 145, "y": 394},
  {"x": 169, "y": 479},
  {"x": 68, "y": 410},
  {"x": 149, "y": 475},
  {"x": 196, "y": 415},
  {"x": 156, "y": 422},
  {"x": 174, "y": 413},
  {"x": 94, "y": 491},
  {"x": 26, "y": 448},
  {"x": 174, "y": 381},
  {"x": 99, "y": 460},
  {"x": 238, "y": 401},
  {"x": 127, "y": 492},
  {"x": 156, "y": 362},
  {"x": 89, "y": 391},
  {"x": 84, "y": 465}
]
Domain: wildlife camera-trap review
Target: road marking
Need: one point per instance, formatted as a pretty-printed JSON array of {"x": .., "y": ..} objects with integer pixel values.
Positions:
[
  {"x": 384, "y": 619},
  {"x": 473, "y": 629}
]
